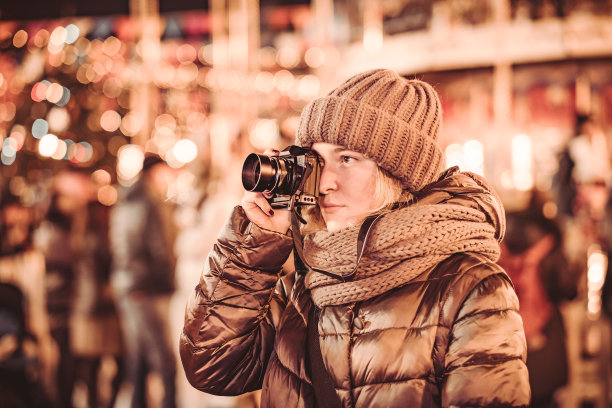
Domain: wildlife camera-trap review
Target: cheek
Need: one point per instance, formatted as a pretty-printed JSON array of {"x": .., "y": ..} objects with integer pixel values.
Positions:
[
  {"x": 368, "y": 180},
  {"x": 363, "y": 189}
]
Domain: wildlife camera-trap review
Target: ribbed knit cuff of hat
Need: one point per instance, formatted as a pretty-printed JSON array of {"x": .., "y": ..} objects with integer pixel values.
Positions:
[{"x": 389, "y": 119}]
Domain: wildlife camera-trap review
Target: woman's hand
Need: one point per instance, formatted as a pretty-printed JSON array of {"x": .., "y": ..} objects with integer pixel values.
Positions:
[{"x": 258, "y": 209}]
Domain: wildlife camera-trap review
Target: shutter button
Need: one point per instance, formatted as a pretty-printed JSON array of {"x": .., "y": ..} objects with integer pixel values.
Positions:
[{"x": 358, "y": 322}]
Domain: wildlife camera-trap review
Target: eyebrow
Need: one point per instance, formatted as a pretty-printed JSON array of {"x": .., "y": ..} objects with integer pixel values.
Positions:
[
  {"x": 337, "y": 149},
  {"x": 341, "y": 149}
]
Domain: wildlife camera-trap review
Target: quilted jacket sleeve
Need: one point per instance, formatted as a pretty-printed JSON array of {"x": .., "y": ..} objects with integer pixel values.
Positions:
[
  {"x": 230, "y": 318},
  {"x": 486, "y": 354}
]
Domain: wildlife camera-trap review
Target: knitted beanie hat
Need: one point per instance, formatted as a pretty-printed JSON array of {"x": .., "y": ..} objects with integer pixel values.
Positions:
[{"x": 389, "y": 119}]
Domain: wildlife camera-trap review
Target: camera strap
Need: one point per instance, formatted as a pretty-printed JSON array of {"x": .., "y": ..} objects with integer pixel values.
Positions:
[
  {"x": 362, "y": 240},
  {"x": 322, "y": 383}
]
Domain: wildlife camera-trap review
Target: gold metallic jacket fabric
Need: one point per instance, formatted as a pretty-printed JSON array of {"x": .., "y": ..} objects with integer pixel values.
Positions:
[{"x": 451, "y": 337}]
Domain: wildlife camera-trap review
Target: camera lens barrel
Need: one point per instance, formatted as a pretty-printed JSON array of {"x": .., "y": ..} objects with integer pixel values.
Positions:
[
  {"x": 292, "y": 177},
  {"x": 260, "y": 173}
]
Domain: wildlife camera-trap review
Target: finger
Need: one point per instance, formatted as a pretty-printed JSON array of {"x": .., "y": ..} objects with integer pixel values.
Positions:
[
  {"x": 264, "y": 205},
  {"x": 257, "y": 202},
  {"x": 271, "y": 152},
  {"x": 254, "y": 196}
]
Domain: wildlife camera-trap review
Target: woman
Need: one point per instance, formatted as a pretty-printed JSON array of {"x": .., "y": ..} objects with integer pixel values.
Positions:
[{"x": 423, "y": 316}]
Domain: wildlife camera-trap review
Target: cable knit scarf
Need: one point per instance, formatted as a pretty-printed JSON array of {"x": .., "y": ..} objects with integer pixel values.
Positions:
[{"x": 461, "y": 213}]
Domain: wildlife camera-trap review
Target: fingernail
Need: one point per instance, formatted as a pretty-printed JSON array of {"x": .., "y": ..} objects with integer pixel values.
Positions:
[{"x": 271, "y": 212}]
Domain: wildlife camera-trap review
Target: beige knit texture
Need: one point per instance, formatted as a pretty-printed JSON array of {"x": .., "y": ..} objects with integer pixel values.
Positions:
[
  {"x": 404, "y": 244},
  {"x": 390, "y": 119}
]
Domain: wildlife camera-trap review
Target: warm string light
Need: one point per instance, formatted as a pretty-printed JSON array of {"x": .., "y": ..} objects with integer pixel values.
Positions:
[
  {"x": 520, "y": 176},
  {"x": 102, "y": 70},
  {"x": 597, "y": 262},
  {"x": 469, "y": 156}
]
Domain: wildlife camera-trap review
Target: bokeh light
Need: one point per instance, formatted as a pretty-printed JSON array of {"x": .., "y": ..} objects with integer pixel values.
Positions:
[
  {"x": 9, "y": 147},
  {"x": 41, "y": 38},
  {"x": 81, "y": 152},
  {"x": 112, "y": 87},
  {"x": 54, "y": 93},
  {"x": 72, "y": 34},
  {"x": 186, "y": 73},
  {"x": 7, "y": 160},
  {"x": 47, "y": 145},
  {"x": 185, "y": 151},
  {"x": 107, "y": 195},
  {"x": 39, "y": 91},
  {"x": 57, "y": 40},
  {"x": 283, "y": 80},
  {"x": 111, "y": 46},
  {"x": 468, "y": 156},
  {"x": 288, "y": 57},
  {"x": 110, "y": 120},
  {"x": 264, "y": 82},
  {"x": 454, "y": 155},
  {"x": 473, "y": 156},
  {"x": 131, "y": 124},
  {"x": 101, "y": 177},
  {"x": 18, "y": 134},
  {"x": 20, "y": 38},
  {"x": 165, "y": 121},
  {"x": 58, "y": 119},
  {"x": 264, "y": 134},
  {"x": 267, "y": 57},
  {"x": 65, "y": 98},
  {"x": 205, "y": 54},
  {"x": 522, "y": 158},
  {"x": 308, "y": 87},
  {"x": 314, "y": 57},
  {"x": 60, "y": 151},
  {"x": 186, "y": 53},
  {"x": 129, "y": 162},
  {"x": 7, "y": 111}
]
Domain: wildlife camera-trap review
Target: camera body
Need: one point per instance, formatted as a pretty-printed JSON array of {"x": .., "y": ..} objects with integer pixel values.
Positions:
[{"x": 292, "y": 177}]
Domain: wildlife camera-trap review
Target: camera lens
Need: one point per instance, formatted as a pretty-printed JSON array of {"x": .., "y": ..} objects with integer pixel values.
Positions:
[{"x": 260, "y": 173}]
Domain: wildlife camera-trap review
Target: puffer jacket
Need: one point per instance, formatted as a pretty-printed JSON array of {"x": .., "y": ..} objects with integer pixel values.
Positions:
[{"x": 451, "y": 337}]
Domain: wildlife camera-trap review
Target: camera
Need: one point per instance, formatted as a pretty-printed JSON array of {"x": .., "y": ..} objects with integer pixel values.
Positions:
[{"x": 292, "y": 176}]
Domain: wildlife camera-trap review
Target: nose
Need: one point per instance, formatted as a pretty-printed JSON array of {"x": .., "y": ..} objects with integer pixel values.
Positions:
[{"x": 328, "y": 181}]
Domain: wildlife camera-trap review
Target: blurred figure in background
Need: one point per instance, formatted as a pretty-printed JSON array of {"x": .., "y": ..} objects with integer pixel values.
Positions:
[
  {"x": 27, "y": 354},
  {"x": 142, "y": 239},
  {"x": 606, "y": 232},
  {"x": 59, "y": 239},
  {"x": 532, "y": 254},
  {"x": 584, "y": 170},
  {"x": 95, "y": 329}
]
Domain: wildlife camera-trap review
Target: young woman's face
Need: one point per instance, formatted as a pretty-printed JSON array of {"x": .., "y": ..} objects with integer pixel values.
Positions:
[{"x": 347, "y": 185}]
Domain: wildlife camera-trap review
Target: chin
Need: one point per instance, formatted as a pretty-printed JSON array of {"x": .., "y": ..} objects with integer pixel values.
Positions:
[{"x": 333, "y": 226}]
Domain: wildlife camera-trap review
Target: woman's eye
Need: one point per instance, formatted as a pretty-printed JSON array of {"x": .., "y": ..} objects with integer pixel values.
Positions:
[{"x": 348, "y": 159}]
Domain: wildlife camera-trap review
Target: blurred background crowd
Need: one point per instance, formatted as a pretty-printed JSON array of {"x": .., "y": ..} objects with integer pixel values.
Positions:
[{"x": 124, "y": 126}]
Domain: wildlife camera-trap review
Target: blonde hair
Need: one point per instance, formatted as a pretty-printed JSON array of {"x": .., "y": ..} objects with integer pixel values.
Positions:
[{"x": 387, "y": 192}]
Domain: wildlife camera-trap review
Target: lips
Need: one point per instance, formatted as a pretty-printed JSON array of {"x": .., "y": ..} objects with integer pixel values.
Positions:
[{"x": 330, "y": 207}]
